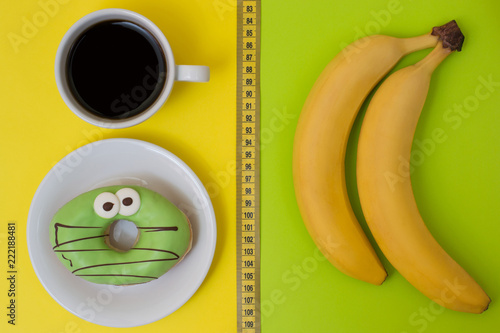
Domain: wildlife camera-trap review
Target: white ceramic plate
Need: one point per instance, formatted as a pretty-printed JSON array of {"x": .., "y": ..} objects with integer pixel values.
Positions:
[{"x": 122, "y": 162}]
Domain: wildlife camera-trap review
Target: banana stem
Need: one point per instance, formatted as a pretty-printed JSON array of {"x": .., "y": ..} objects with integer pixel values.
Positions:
[
  {"x": 413, "y": 44},
  {"x": 448, "y": 34},
  {"x": 433, "y": 59}
]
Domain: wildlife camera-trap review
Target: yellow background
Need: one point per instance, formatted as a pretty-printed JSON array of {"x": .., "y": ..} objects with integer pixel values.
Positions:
[{"x": 37, "y": 129}]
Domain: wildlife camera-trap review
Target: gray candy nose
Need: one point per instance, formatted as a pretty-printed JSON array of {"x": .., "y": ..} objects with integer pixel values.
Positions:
[{"x": 123, "y": 235}]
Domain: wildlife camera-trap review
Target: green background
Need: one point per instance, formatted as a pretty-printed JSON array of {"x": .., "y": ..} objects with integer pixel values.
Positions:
[{"x": 456, "y": 181}]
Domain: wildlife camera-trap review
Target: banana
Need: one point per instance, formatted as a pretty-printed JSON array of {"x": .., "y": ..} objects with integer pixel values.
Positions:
[
  {"x": 389, "y": 206},
  {"x": 320, "y": 145}
]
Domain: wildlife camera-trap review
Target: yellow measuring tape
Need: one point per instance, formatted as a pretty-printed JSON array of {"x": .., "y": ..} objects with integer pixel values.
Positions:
[{"x": 248, "y": 167}]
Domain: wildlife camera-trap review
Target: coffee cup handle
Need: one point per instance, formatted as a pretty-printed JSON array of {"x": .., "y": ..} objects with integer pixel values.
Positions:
[{"x": 192, "y": 73}]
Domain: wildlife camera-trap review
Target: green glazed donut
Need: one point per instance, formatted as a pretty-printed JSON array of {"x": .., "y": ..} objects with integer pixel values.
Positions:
[{"x": 80, "y": 235}]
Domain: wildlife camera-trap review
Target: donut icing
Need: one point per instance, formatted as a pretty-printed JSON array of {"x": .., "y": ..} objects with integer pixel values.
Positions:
[{"x": 79, "y": 234}]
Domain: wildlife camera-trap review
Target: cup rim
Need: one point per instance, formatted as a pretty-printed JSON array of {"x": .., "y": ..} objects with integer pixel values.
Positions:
[{"x": 72, "y": 34}]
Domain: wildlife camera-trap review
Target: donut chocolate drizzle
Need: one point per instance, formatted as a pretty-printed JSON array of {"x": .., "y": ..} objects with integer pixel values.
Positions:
[
  {"x": 70, "y": 262},
  {"x": 60, "y": 225},
  {"x": 77, "y": 240},
  {"x": 126, "y": 263},
  {"x": 156, "y": 229},
  {"x": 82, "y": 250},
  {"x": 120, "y": 275},
  {"x": 147, "y": 229}
]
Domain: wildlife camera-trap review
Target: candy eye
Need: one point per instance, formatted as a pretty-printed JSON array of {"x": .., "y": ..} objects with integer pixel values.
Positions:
[
  {"x": 106, "y": 205},
  {"x": 130, "y": 201}
]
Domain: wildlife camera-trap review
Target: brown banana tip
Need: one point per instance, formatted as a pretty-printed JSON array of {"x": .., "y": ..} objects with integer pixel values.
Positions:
[
  {"x": 385, "y": 278},
  {"x": 487, "y": 305},
  {"x": 450, "y": 35}
]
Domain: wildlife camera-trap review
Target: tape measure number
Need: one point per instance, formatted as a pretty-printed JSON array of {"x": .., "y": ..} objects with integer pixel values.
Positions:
[{"x": 248, "y": 165}]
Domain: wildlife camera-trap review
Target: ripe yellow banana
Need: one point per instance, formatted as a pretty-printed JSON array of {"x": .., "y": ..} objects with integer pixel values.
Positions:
[
  {"x": 320, "y": 145},
  {"x": 390, "y": 209}
]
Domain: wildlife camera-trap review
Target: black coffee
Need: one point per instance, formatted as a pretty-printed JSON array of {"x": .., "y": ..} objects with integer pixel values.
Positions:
[{"x": 116, "y": 69}]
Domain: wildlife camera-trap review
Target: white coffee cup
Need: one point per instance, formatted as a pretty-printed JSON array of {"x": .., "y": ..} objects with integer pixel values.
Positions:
[{"x": 174, "y": 72}]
